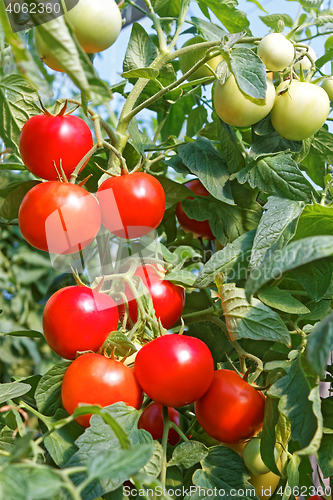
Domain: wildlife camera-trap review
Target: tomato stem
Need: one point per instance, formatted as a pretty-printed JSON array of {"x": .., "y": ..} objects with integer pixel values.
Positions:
[
  {"x": 166, "y": 428},
  {"x": 177, "y": 429},
  {"x": 81, "y": 163}
]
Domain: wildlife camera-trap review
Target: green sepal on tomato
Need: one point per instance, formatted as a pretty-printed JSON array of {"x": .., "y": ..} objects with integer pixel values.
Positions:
[
  {"x": 174, "y": 370},
  {"x": 168, "y": 298},
  {"x": 94, "y": 379},
  {"x": 77, "y": 318}
]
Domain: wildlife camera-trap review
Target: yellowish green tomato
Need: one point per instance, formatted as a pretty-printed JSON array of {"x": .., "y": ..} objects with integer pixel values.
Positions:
[
  {"x": 252, "y": 457},
  {"x": 327, "y": 85},
  {"x": 305, "y": 61},
  {"x": 299, "y": 111},
  {"x": 276, "y": 52},
  {"x": 235, "y": 109},
  {"x": 97, "y": 24},
  {"x": 44, "y": 51},
  {"x": 265, "y": 484},
  {"x": 187, "y": 61}
]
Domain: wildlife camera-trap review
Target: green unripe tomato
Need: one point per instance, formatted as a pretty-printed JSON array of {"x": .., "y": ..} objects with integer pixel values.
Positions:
[
  {"x": 327, "y": 85},
  {"x": 265, "y": 484},
  {"x": 276, "y": 52},
  {"x": 300, "y": 111},
  {"x": 97, "y": 24},
  {"x": 305, "y": 61},
  {"x": 252, "y": 458},
  {"x": 187, "y": 61},
  {"x": 235, "y": 109}
]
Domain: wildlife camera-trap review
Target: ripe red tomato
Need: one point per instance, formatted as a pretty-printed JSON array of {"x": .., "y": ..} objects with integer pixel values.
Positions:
[
  {"x": 77, "y": 318},
  {"x": 97, "y": 380},
  {"x": 132, "y": 205},
  {"x": 200, "y": 229},
  {"x": 168, "y": 298},
  {"x": 174, "y": 370},
  {"x": 59, "y": 217},
  {"x": 47, "y": 142},
  {"x": 152, "y": 421},
  {"x": 231, "y": 409}
]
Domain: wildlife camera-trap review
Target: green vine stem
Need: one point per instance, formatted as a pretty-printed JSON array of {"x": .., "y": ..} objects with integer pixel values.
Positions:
[
  {"x": 167, "y": 424},
  {"x": 179, "y": 431}
]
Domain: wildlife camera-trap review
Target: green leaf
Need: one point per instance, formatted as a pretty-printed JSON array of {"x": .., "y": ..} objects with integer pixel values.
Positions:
[
  {"x": 230, "y": 151},
  {"x": 174, "y": 191},
  {"x": 232, "y": 261},
  {"x": 278, "y": 216},
  {"x": 295, "y": 254},
  {"x": 10, "y": 207},
  {"x": 14, "y": 483},
  {"x": 292, "y": 471},
  {"x": 188, "y": 454},
  {"x": 149, "y": 73},
  {"x": 325, "y": 455},
  {"x": 272, "y": 20},
  {"x": 48, "y": 391},
  {"x": 227, "y": 222},
  {"x": 44, "y": 483},
  {"x": 208, "y": 30},
  {"x": 17, "y": 104},
  {"x": 320, "y": 345},
  {"x": 315, "y": 220},
  {"x": 267, "y": 141},
  {"x": 250, "y": 74},
  {"x": 268, "y": 436},
  {"x": 300, "y": 386},
  {"x": 233, "y": 20},
  {"x": 24, "y": 333},
  {"x": 196, "y": 120},
  {"x": 311, "y": 4},
  {"x": 225, "y": 470},
  {"x": 282, "y": 300},
  {"x": 181, "y": 277},
  {"x": 315, "y": 277},
  {"x": 141, "y": 50},
  {"x": 120, "y": 464},
  {"x": 101, "y": 437},
  {"x": 13, "y": 390},
  {"x": 250, "y": 321},
  {"x": 328, "y": 56},
  {"x": 212, "y": 336},
  {"x": 278, "y": 175},
  {"x": 167, "y": 7},
  {"x": 205, "y": 161}
]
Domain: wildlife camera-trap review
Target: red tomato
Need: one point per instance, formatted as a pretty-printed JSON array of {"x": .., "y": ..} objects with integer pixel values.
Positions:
[
  {"x": 77, "y": 318},
  {"x": 96, "y": 380},
  {"x": 168, "y": 298},
  {"x": 174, "y": 370},
  {"x": 231, "y": 409},
  {"x": 49, "y": 141},
  {"x": 200, "y": 229},
  {"x": 152, "y": 421},
  {"x": 132, "y": 205},
  {"x": 59, "y": 217}
]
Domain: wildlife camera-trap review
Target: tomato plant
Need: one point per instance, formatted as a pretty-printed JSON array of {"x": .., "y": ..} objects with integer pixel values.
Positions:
[
  {"x": 186, "y": 62},
  {"x": 96, "y": 380},
  {"x": 77, "y": 318},
  {"x": 174, "y": 370},
  {"x": 292, "y": 113},
  {"x": 327, "y": 85},
  {"x": 250, "y": 245},
  {"x": 168, "y": 298},
  {"x": 59, "y": 217},
  {"x": 235, "y": 109},
  {"x": 200, "y": 229},
  {"x": 231, "y": 410},
  {"x": 48, "y": 143},
  {"x": 151, "y": 420},
  {"x": 131, "y": 205},
  {"x": 276, "y": 51}
]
